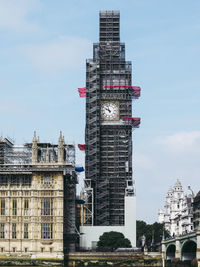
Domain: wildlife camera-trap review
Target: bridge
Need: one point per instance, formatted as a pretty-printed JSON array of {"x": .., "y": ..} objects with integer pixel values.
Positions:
[{"x": 183, "y": 247}]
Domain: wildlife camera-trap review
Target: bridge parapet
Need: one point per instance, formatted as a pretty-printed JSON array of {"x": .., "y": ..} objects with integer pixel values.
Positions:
[
  {"x": 183, "y": 247},
  {"x": 198, "y": 246}
]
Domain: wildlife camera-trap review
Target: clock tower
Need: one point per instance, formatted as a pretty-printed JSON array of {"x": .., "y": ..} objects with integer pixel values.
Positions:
[{"x": 109, "y": 123}]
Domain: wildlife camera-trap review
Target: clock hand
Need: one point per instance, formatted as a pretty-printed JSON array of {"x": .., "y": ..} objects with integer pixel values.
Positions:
[{"x": 108, "y": 109}]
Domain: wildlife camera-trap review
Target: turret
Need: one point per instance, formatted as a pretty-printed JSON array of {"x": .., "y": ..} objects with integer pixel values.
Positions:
[
  {"x": 178, "y": 191},
  {"x": 47, "y": 155},
  {"x": 34, "y": 149},
  {"x": 178, "y": 186},
  {"x": 61, "y": 146}
]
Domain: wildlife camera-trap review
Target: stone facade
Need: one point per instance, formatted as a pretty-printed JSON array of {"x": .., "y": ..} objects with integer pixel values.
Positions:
[
  {"x": 177, "y": 214},
  {"x": 196, "y": 211},
  {"x": 33, "y": 200}
]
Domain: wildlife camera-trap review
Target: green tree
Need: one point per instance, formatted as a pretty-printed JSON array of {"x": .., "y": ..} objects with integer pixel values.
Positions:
[
  {"x": 150, "y": 231},
  {"x": 157, "y": 229},
  {"x": 110, "y": 241}
]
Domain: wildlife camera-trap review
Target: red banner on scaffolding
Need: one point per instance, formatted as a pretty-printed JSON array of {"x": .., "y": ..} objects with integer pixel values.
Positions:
[
  {"x": 81, "y": 146},
  {"x": 135, "y": 89},
  {"x": 121, "y": 86},
  {"x": 82, "y": 92},
  {"x": 134, "y": 121}
]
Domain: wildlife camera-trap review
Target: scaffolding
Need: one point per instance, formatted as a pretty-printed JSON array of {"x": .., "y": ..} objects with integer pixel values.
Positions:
[
  {"x": 12, "y": 155},
  {"x": 108, "y": 144},
  {"x": 87, "y": 210},
  {"x": 134, "y": 122}
]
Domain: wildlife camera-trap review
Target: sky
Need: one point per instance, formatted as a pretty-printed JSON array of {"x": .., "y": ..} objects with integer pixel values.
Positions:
[{"x": 43, "y": 48}]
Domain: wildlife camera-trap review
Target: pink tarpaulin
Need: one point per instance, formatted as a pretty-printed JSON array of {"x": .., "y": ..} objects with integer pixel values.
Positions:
[
  {"x": 81, "y": 146},
  {"x": 121, "y": 86},
  {"x": 136, "y": 91},
  {"x": 82, "y": 92},
  {"x": 134, "y": 121}
]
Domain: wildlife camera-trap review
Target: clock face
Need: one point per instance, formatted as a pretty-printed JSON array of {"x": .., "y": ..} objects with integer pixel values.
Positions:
[{"x": 109, "y": 111}]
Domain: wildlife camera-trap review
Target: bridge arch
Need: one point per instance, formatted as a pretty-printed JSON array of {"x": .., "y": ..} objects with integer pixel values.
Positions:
[
  {"x": 170, "y": 252},
  {"x": 188, "y": 251}
]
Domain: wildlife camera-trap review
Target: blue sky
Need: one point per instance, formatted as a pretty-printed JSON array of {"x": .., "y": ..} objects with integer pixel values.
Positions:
[{"x": 43, "y": 48}]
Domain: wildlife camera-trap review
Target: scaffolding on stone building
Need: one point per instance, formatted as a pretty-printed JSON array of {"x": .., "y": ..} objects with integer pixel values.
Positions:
[
  {"x": 17, "y": 168},
  {"x": 108, "y": 146},
  {"x": 87, "y": 210},
  {"x": 12, "y": 155}
]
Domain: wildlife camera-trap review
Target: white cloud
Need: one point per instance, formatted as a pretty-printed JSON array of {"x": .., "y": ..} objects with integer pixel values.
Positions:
[
  {"x": 182, "y": 142},
  {"x": 65, "y": 52},
  {"x": 14, "y": 15}
]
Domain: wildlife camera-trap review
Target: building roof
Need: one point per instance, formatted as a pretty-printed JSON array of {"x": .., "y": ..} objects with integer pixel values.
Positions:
[
  {"x": 198, "y": 194},
  {"x": 197, "y": 197},
  {"x": 178, "y": 184},
  {"x": 170, "y": 191}
]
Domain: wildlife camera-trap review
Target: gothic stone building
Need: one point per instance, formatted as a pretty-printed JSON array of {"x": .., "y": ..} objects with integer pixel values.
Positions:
[
  {"x": 37, "y": 198},
  {"x": 177, "y": 215}
]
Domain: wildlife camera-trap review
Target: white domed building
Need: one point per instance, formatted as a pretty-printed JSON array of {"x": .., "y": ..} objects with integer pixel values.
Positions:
[{"x": 177, "y": 213}]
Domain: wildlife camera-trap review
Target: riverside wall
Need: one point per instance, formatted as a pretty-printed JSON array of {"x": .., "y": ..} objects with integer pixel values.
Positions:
[
  {"x": 118, "y": 259},
  {"x": 80, "y": 259}
]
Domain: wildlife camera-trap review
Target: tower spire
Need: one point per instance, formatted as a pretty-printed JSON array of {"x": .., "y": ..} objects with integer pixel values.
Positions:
[
  {"x": 34, "y": 149},
  {"x": 61, "y": 149},
  {"x": 47, "y": 155}
]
